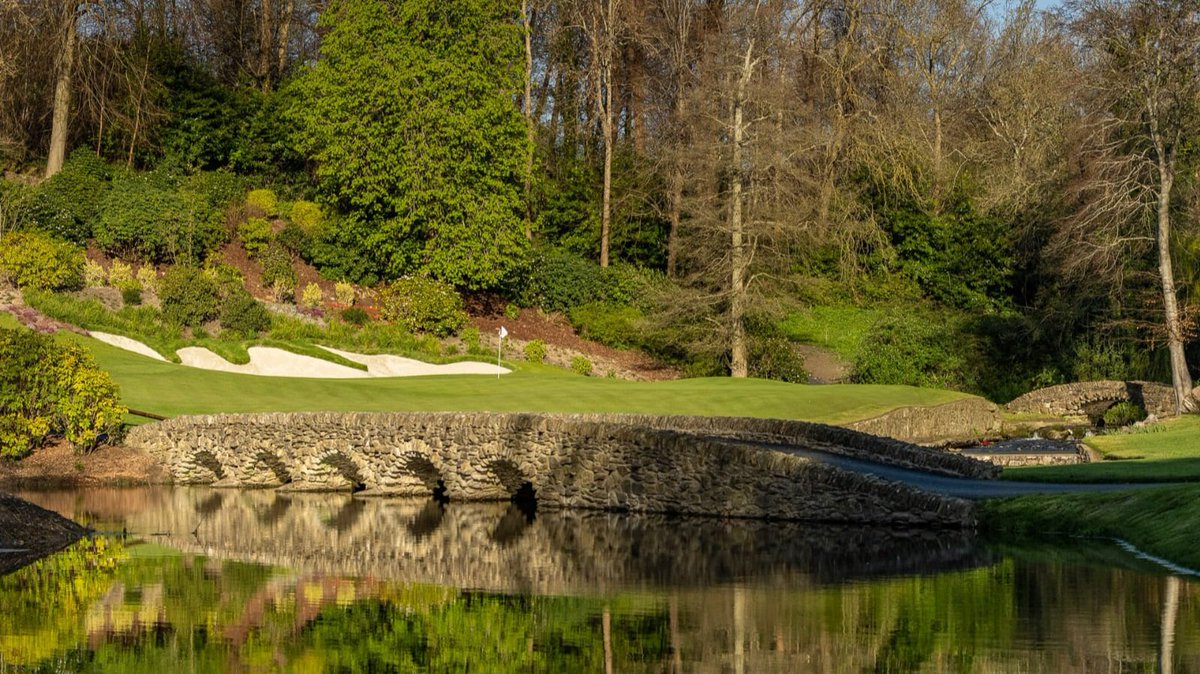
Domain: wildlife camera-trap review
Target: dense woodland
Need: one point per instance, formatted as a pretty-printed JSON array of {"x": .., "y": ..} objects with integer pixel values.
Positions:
[{"x": 991, "y": 197}]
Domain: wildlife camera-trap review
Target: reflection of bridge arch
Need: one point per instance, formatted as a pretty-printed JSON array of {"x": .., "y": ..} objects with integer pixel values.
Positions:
[{"x": 683, "y": 465}]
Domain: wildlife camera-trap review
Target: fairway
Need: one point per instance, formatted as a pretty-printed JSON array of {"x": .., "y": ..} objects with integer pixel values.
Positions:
[{"x": 169, "y": 389}]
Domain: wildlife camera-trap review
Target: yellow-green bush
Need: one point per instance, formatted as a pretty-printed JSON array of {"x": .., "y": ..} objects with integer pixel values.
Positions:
[
  {"x": 35, "y": 260},
  {"x": 423, "y": 304},
  {"x": 120, "y": 274},
  {"x": 306, "y": 215},
  {"x": 312, "y": 296},
  {"x": 148, "y": 278},
  {"x": 535, "y": 351},
  {"x": 48, "y": 388},
  {"x": 344, "y": 293},
  {"x": 263, "y": 201},
  {"x": 94, "y": 274},
  {"x": 255, "y": 235}
]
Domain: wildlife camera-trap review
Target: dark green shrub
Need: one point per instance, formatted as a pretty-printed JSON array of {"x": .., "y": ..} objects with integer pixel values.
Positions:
[
  {"x": 776, "y": 358},
  {"x": 255, "y": 234},
  {"x": 423, "y": 304},
  {"x": 294, "y": 239},
  {"x": 131, "y": 294},
  {"x": 918, "y": 349},
  {"x": 278, "y": 273},
  {"x": 535, "y": 351},
  {"x": 1123, "y": 413},
  {"x": 220, "y": 188},
  {"x": 356, "y": 316},
  {"x": 46, "y": 387},
  {"x": 611, "y": 324},
  {"x": 189, "y": 297},
  {"x": 68, "y": 204},
  {"x": 242, "y": 314},
  {"x": 558, "y": 280},
  {"x": 35, "y": 260},
  {"x": 582, "y": 365},
  {"x": 227, "y": 277},
  {"x": 141, "y": 219}
]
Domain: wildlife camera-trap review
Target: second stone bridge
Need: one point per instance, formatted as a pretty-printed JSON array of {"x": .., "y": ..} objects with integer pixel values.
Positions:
[{"x": 685, "y": 465}]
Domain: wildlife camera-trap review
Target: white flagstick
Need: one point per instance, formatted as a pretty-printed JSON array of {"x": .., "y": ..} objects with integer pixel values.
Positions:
[{"x": 500, "y": 347}]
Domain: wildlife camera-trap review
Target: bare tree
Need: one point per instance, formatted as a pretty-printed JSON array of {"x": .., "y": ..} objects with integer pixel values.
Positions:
[{"x": 1144, "y": 99}]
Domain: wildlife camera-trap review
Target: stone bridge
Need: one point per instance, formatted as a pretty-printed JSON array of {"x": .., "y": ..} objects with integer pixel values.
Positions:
[
  {"x": 1092, "y": 398},
  {"x": 682, "y": 465}
]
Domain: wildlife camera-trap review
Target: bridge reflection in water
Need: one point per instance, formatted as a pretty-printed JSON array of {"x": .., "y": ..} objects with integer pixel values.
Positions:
[{"x": 501, "y": 547}]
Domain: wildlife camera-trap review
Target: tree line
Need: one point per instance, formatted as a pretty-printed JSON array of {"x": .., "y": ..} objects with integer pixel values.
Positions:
[{"x": 976, "y": 155}]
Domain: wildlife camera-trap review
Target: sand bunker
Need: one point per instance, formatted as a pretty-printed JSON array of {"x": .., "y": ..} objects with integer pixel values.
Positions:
[{"x": 271, "y": 362}]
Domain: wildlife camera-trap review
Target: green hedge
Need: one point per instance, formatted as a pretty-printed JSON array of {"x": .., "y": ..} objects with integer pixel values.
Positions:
[{"x": 142, "y": 219}]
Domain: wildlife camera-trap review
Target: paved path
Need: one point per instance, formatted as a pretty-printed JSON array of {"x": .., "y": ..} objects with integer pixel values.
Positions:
[{"x": 955, "y": 486}]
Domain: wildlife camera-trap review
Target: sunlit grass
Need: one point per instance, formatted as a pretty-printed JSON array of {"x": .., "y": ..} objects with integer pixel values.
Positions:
[{"x": 1166, "y": 452}]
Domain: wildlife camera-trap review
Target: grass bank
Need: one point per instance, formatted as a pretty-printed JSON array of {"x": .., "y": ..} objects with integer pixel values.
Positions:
[
  {"x": 1165, "y": 452},
  {"x": 170, "y": 389}
]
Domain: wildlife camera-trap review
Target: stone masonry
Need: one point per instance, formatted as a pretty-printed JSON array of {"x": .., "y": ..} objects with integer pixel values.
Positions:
[
  {"x": 684, "y": 465},
  {"x": 1094, "y": 397}
]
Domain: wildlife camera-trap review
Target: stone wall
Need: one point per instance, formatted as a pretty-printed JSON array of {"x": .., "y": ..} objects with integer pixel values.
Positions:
[
  {"x": 683, "y": 465},
  {"x": 962, "y": 419},
  {"x": 1090, "y": 397}
]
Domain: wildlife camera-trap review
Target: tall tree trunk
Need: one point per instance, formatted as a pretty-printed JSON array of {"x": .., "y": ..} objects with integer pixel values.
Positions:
[
  {"x": 285, "y": 25},
  {"x": 62, "y": 93},
  {"x": 739, "y": 260},
  {"x": 674, "y": 215},
  {"x": 606, "y": 127},
  {"x": 527, "y": 21},
  {"x": 1181, "y": 379}
]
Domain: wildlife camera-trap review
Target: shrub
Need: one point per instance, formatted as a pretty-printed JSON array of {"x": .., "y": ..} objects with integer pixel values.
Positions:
[
  {"x": 219, "y": 188},
  {"x": 35, "y": 260},
  {"x": 94, "y": 274},
  {"x": 918, "y": 350},
  {"x": 423, "y": 304},
  {"x": 559, "y": 280},
  {"x": 470, "y": 337},
  {"x": 278, "y": 273},
  {"x": 255, "y": 235},
  {"x": 147, "y": 277},
  {"x": 611, "y": 324},
  {"x": 131, "y": 294},
  {"x": 535, "y": 351},
  {"x": 189, "y": 297},
  {"x": 46, "y": 387},
  {"x": 582, "y": 365},
  {"x": 344, "y": 293},
  {"x": 263, "y": 201},
  {"x": 312, "y": 296},
  {"x": 306, "y": 215},
  {"x": 145, "y": 220},
  {"x": 244, "y": 315},
  {"x": 356, "y": 316},
  {"x": 1123, "y": 413},
  {"x": 68, "y": 204},
  {"x": 776, "y": 358},
  {"x": 294, "y": 239},
  {"x": 512, "y": 311},
  {"x": 120, "y": 274}
]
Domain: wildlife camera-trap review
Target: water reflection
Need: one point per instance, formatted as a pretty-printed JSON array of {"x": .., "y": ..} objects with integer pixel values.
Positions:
[{"x": 607, "y": 594}]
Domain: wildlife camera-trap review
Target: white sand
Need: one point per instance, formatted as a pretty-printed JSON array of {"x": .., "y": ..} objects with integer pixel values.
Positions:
[
  {"x": 127, "y": 344},
  {"x": 271, "y": 362}
]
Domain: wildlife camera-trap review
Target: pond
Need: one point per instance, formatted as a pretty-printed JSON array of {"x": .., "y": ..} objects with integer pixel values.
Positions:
[{"x": 201, "y": 580}]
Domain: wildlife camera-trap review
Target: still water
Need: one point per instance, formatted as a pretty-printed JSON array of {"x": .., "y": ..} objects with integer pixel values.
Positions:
[{"x": 196, "y": 580}]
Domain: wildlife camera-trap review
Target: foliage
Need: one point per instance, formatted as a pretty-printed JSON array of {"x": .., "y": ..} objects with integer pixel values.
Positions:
[
  {"x": 244, "y": 315},
  {"x": 1123, "y": 413},
  {"x": 470, "y": 337},
  {"x": 45, "y": 388},
  {"x": 356, "y": 316},
  {"x": 120, "y": 274},
  {"x": 306, "y": 215},
  {"x": 263, "y": 202},
  {"x": 420, "y": 303},
  {"x": 582, "y": 365},
  {"x": 219, "y": 188},
  {"x": 312, "y": 296},
  {"x": 35, "y": 260},
  {"x": 255, "y": 234},
  {"x": 512, "y": 311},
  {"x": 94, "y": 274},
  {"x": 67, "y": 205},
  {"x": 131, "y": 293},
  {"x": 776, "y": 357},
  {"x": 294, "y": 239},
  {"x": 147, "y": 277},
  {"x": 344, "y": 293},
  {"x": 436, "y": 152},
  {"x": 143, "y": 219},
  {"x": 612, "y": 324},
  {"x": 917, "y": 349},
  {"x": 1100, "y": 359},
  {"x": 278, "y": 273},
  {"x": 535, "y": 351},
  {"x": 189, "y": 297}
]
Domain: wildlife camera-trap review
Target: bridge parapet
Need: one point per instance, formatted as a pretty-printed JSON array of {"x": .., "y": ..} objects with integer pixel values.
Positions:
[{"x": 685, "y": 465}]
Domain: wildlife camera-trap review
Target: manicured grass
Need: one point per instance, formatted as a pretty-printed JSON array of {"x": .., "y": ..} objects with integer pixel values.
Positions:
[
  {"x": 840, "y": 328},
  {"x": 1169, "y": 452},
  {"x": 1163, "y": 522},
  {"x": 170, "y": 389}
]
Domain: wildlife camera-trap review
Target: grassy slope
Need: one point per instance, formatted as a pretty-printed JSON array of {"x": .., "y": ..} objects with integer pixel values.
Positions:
[
  {"x": 1162, "y": 521},
  {"x": 840, "y": 328},
  {"x": 169, "y": 389}
]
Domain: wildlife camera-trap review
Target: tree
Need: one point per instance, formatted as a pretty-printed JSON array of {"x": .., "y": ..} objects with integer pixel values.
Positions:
[
  {"x": 410, "y": 116},
  {"x": 1144, "y": 104}
]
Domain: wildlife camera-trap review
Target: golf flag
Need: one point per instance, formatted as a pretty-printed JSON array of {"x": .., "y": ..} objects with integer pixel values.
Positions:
[
  {"x": 499, "y": 348},
  {"x": 503, "y": 332}
]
